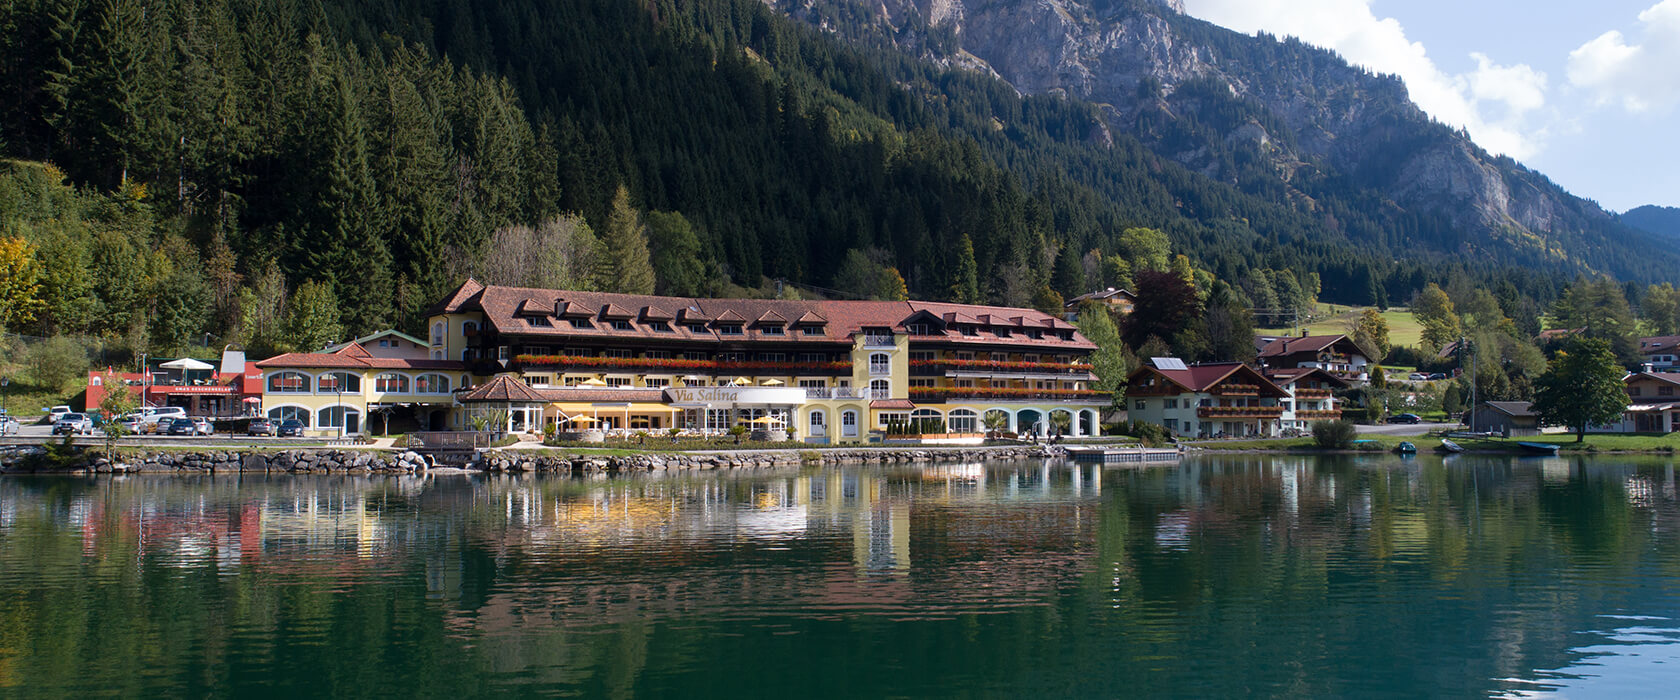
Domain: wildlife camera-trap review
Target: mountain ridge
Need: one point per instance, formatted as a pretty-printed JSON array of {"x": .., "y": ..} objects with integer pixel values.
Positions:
[
  {"x": 1225, "y": 104},
  {"x": 1663, "y": 221}
]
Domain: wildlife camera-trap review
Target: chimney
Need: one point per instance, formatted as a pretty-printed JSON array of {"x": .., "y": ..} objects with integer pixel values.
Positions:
[{"x": 1303, "y": 332}]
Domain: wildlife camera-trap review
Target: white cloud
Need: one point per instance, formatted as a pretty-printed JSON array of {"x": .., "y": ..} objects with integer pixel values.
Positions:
[
  {"x": 1641, "y": 77},
  {"x": 1492, "y": 102}
]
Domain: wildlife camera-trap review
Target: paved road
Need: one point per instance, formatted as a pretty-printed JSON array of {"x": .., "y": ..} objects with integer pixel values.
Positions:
[{"x": 1404, "y": 429}]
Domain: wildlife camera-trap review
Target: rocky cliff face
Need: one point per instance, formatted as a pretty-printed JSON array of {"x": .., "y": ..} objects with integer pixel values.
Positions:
[{"x": 1215, "y": 100}]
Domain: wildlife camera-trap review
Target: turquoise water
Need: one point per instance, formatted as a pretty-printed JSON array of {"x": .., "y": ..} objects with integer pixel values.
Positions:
[{"x": 1217, "y": 577}]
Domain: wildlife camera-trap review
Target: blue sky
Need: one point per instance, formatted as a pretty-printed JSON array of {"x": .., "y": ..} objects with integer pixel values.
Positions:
[{"x": 1587, "y": 93}]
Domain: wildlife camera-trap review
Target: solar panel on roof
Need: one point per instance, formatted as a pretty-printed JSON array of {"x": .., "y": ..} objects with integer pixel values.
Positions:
[{"x": 1167, "y": 363}]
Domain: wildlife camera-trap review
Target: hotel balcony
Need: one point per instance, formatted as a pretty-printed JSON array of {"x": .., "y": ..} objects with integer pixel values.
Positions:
[
  {"x": 942, "y": 394},
  {"x": 881, "y": 342},
  {"x": 844, "y": 392},
  {"x": 677, "y": 366},
  {"x": 1312, "y": 393},
  {"x": 1237, "y": 390},
  {"x": 990, "y": 369},
  {"x": 1239, "y": 411}
]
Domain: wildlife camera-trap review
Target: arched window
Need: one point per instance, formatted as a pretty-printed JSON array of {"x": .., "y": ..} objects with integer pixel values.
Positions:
[
  {"x": 469, "y": 328},
  {"x": 288, "y": 383},
  {"x": 880, "y": 363},
  {"x": 346, "y": 417},
  {"x": 880, "y": 389},
  {"x": 963, "y": 420},
  {"x": 996, "y": 419},
  {"x": 297, "y": 413},
  {"x": 466, "y": 381},
  {"x": 339, "y": 382},
  {"x": 431, "y": 384},
  {"x": 849, "y": 423},
  {"x": 928, "y": 421},
  {"x": 440, "y": 331},
  {"x": 391, "y": 383}
]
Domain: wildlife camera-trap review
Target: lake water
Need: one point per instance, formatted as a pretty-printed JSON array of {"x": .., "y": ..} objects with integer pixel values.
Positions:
[{"x": 1217, "y": 577}]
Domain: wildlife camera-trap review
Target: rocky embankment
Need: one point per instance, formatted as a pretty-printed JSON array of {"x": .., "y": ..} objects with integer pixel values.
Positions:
[
  {"x": 524, "y": 461},
  {"x": 328, "y": 461}
]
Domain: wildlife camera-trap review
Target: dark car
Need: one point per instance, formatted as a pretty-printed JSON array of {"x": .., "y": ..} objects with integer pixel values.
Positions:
[
  {"x": 1437, "y": 376},
  {"x": 260, "y": 426},
  {"x": 1410, "y": 418},
  {"x": 290, "y": 428},
  {"x": 181, "y": 426}
]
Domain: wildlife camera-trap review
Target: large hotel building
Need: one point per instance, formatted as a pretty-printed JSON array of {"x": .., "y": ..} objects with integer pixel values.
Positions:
[{"x": 834, "y": 371}]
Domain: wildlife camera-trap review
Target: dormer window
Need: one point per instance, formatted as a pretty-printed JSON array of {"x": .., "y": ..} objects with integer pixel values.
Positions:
[
  {"x": 918, "y": 329},
  {"x": 697, "y": 328},
  {"x": 538, "y": 321},
  {"x": 582, "y": 323},
  {"x": 619, "y": 324},
  {"x": 970, "y": 330},
  {"x": 771, "y": 330},
  {"x": 810, "y": 330},
  {"x": 729, "y": 329}
]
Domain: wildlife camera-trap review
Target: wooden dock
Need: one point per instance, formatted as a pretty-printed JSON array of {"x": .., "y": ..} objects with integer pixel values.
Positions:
[{"x": 1122, "y": 455}]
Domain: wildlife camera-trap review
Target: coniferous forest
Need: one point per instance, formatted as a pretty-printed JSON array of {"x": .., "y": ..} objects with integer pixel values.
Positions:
[{"x": 279, "y": 172}]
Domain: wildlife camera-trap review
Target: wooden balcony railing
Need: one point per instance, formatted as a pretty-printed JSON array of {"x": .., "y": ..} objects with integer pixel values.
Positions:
[{"x": 1239, "y": 411}]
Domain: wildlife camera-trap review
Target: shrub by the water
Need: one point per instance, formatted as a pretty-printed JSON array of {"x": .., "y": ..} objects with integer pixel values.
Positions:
[
  {"x": 1333, "y": 434},
  {"x": 1150, "y": 434}
]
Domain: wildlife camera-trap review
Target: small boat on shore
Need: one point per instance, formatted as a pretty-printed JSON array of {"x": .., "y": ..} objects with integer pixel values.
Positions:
[
  {"x": 1539, "y": 447},
  {"x": 1450, "y": 446},
  {"x": 1406, "y": 448}
]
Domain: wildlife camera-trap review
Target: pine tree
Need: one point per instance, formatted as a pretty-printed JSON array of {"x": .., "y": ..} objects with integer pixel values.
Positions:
[
  {"x": 629, "y": 268},
  {"x": 966, "y": 289}
]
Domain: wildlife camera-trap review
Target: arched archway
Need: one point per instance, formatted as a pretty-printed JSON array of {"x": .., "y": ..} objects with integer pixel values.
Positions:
[
  {"x": 1029, "y": 420},
  {"x": 851, "y": 421},
  {"x": 1061, "y": 422},
  {"x": 1088, "y": 422},
  {"x": 816, "y": 422}
]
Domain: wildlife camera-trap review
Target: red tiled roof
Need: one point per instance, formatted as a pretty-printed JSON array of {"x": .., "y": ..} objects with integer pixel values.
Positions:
[
  {"x": 615, "y": 311},
  {"x": 654, "y": 313},
  {"x": 586, "y": 394},
  {"x": 1290, "y": 375},
  {"x": 772, "y": 317},
  {"x": 841, "y": 318},
  {"x": 1198, "y": 378},
  {"x": 1292, "y": 345},
  {"x": 503, "y": 389},
  {"x": 457, "y": 299},
  {"x": 892, "y": 404},
  {"x": 354, "y": 356},
  {"x": 1657, "y": 343}
]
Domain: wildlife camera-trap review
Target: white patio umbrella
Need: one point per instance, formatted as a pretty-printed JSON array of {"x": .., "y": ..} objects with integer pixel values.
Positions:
[{"x": 187, "y": 363}]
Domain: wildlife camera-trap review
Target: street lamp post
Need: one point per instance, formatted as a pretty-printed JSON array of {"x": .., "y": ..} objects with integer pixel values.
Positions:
[{"x": 6, "y": 395}]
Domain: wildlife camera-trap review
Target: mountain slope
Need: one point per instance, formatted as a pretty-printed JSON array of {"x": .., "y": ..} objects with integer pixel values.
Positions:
[
  {"x": 1663, "y": 221},
  {"x": 1275, "y": 118}
]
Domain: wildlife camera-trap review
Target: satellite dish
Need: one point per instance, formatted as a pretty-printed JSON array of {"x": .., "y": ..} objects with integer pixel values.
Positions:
[{"x": 1167, "y": 363}]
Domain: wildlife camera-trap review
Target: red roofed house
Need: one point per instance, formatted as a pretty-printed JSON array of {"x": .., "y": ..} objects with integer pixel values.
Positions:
[
  {"x": 1660, "y": 353},
  {"x": 1336, "y": 354},
  {"x": 389, "y": 376},
  {"x": 1220, "y": 399}
]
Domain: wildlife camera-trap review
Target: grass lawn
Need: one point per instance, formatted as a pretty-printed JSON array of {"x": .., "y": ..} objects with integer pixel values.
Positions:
[
  {"x": 1634, "y": 442},
  {"x": 1335, "y": 319}
]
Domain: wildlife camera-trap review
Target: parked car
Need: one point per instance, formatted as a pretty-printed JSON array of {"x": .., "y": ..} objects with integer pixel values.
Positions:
[
  {"x": 130, "y": 423},
  {"x": 1436, "y": 376},
  {"x": 290, "y": 427},
  {"x": 179, "y": 426},
  {"x": 8, "y": 425},
  {"x": 203, "y": 426},
  {"x": 73, "y": 424},
  {"x": 1408, "y": 418},
  {"x": 260, "y": 426},
  {"x": 1418, "y": 377},
  {"x": 55, "y": 413}
]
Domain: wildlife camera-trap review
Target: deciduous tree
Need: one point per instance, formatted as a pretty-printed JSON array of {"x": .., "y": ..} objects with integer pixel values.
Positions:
[{"x": 1582, "y": 386}]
